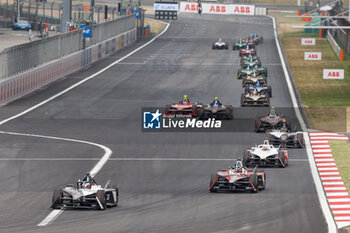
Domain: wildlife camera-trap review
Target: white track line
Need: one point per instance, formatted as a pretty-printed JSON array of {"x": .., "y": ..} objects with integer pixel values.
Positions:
[
  {"x": 319, "y": 188},
  {"x": 130, "y": 159},
  {"x": 55, "y": 213},
  {"x": 102, "y": 161},
  {"x": 84, "y": 80}
]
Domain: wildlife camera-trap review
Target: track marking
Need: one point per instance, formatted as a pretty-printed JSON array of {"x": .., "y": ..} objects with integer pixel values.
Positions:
[
  {"x": 54, "y": 214},
  {"x": 321, "y": 195},
  {"x": 101, "y": 162},
  {"x": 50, "y": 218},
  {"x": 84, "y": 80},
  {"x": 130, "y": 159}
]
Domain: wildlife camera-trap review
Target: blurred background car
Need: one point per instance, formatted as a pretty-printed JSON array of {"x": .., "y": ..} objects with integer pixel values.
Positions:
[{"x": 22, "y": 25}]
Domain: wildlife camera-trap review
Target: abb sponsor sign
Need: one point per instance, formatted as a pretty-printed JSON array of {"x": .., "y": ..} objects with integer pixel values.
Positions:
[
  {"x": 313, "y": 56},
  {"x": 308, "y": 41},
  {"x": 213, "y": 8},
  {"x": 333, "y": 74}
]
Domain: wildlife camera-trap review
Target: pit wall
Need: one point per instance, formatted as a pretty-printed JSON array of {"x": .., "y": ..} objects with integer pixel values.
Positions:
[{"x": 32, "y": 80}]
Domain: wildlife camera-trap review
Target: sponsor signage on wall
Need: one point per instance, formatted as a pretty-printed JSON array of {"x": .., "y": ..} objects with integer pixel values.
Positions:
[
  {"x": 333, "y": 74},
  {"x": 213, "y": 8},
  {"x": 308, "y": 41},
  {"x": 160, "y": 6},
  {"x": 313, "y": 56}
]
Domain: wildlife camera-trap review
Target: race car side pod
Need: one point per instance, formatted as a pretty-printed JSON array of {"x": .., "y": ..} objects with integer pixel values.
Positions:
[{"x": 216, "y": 179}]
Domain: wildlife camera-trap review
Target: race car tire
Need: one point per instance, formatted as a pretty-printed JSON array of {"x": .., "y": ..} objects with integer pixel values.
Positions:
[
  {"x": 253, "y": 180},
  {"x": 194, "y": 109},
  {"x": 229, "y": 112},
  {"x": 269, "y": 91},
  {"x": 226, "y": 46},
  {"x": 258, "y": 125},
  {"x": 265, "y": 71},
  {"x": 100, "y": 195},
  {"x": 301, "y": 140},
  {"x": 201, "y": 114},
  {"x": 239, "y": 74},
  {"x": 242, "y": 100},
  {"x": 282, "y": 160},
  {"x": 56, "y": 200},
  {"x": 246, "y": 158},
  {"x": 115, "y": 187},
  {"x": 262, "y": 183},
  {"x": 288, "y": 123},
  {"x": 211, "y": 181},
  {"x": 214, "y": 46}
]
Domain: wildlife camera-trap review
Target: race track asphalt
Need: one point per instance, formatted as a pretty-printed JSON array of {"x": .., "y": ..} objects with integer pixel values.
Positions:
[{"x": 156, "y": 195}]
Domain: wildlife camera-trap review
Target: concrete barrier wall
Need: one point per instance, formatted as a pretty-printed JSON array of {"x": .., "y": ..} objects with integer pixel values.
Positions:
[{"x": 32, "y": 80}]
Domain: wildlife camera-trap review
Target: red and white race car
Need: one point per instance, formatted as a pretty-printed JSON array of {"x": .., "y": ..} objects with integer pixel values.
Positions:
[
  {"x": 248, "y": 50},
  {"x": 237, "y": 178},
  {"x": 183, "y": 108}
]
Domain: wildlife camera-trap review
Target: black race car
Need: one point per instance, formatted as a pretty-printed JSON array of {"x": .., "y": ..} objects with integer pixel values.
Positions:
[
  {"x": 270, "y": 121},
  {"x": 217, "y": 111}
]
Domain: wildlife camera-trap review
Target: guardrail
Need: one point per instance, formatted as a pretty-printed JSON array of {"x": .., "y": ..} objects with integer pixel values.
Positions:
[
  {"x": 38, "y": 77},
  {"x": 335, "y": 46},
  {"x": 23, "y": 57}
]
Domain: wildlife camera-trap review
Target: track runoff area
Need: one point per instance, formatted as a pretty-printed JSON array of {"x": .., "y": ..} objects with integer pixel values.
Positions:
[{"x": 163, "y": 177}]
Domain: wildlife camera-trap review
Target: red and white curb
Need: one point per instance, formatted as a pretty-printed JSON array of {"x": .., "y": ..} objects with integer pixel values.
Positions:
[{"x": 336, "y": 193}]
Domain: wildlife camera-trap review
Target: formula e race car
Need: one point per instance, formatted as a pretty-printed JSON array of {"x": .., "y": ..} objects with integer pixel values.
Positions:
[
  {"x": 237, "y": 178},
  {"x": 240, "y": 45},
  {"x": 220, "y": 45},
  {"x": 270, "y": 121},
  {"x": 262, "y": 89},
  {"x": 253, "y": 80},
  {"x": 253, "y": 98},
  {"x": 265, "y": 155},
  {"x": 217, "y": 111},
  {"x": 86, "y": 194},
  {"x": 256, "y": 39},
  {"x": 247, "y": 58},
  {"x": 248, "y": 50},
  {"x": 250, "y": 70},
  {"x": 285, "y": 138},
  {"x": 251, "y": 62},
  {"x": 183, "y": 108},
  {"x": 248, "y": 41}
]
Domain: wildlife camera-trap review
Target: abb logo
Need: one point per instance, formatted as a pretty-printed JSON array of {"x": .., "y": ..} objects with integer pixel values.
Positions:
[
  {"x": 308, "y": 41},
  {"x": 192, "y": 7},
  {"x": 242, "y": 9},
  {"x": 313, "y": 56},
  {"x": 217, "y": 9},
  {"x": 333, "y": 74},
  {"x": 211, "y": 8}
]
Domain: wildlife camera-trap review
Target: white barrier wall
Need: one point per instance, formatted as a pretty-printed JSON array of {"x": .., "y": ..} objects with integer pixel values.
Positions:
[
  {"x": 25, "y": 83},
  {"x": 214, "y": 8}
]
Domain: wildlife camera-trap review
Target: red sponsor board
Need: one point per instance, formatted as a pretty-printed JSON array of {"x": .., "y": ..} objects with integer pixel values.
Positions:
[{"x": 212, "y": 8}]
